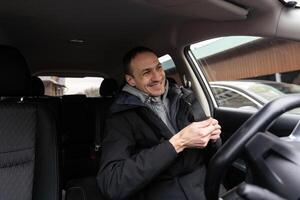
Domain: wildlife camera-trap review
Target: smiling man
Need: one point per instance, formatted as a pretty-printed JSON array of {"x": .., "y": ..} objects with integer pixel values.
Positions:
[
  {"x": 158, "y": 138},
  {"x": 147, "y": 74}
]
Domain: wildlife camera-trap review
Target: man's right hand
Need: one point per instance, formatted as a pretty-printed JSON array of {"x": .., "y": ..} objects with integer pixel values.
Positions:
[{"x": 196, "y": 135}]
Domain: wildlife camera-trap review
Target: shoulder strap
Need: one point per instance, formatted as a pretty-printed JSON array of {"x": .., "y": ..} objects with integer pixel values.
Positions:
[
  {"x": 98, "y": 131},
  {"x": 196, "y": 108}
]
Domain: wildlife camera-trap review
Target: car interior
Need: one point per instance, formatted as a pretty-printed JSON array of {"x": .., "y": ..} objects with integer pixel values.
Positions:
[{"x": 51, "y": 144}]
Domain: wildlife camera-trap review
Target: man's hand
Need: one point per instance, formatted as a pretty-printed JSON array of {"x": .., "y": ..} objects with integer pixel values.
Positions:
[
  {"x": 196, "y": 135},
  {"x": 215, "y": 134}
]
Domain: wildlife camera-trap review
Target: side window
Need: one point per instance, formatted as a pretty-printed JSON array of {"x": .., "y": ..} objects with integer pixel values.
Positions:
[
  {"x": 170, "y": 68},
  {"x": 232, "y": 99},
  {"x": 262, "y": 69}
]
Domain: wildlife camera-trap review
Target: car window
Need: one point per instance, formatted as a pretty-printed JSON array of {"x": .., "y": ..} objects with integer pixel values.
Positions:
[
  {"x": 59, "y": 86},
  {"x": 262, "y": 68},
  {"x": 170, "y": 68},
  {"x": 227, "y": 97}
]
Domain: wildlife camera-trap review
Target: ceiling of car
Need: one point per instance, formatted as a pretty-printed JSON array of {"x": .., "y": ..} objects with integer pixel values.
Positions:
[{"x": 104, "y": 30}]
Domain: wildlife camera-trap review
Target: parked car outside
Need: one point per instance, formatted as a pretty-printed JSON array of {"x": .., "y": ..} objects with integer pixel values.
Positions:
[{"x": 251, "y": 94}]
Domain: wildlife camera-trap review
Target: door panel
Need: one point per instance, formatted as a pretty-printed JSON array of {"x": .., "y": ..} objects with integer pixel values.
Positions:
[{"x": 231, "y": 119}]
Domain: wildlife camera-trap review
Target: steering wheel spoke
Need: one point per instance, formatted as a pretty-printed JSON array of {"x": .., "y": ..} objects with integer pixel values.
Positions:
[{"x": 250, "y": 192}]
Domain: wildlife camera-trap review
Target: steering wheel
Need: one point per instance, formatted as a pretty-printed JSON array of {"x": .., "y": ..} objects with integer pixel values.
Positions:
[{"x": 230, "y": 151}]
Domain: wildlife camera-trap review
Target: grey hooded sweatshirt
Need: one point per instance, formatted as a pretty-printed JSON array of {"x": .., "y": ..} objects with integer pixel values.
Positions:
[{"x": 159, "y": 105}]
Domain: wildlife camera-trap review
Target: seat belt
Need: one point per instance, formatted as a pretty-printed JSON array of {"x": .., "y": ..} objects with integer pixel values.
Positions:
[{"x": 98, "y": 132}]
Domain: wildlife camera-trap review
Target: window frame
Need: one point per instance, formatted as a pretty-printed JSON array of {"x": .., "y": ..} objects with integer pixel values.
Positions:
[
  {"x": 200, "y": 74},
  {"x": 198, "y": 71}
]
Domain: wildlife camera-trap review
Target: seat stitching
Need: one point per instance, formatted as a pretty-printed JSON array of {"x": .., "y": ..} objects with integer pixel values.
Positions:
[
  {"x": 15, "y": 164},
  {"x": 17, "y": 150}
]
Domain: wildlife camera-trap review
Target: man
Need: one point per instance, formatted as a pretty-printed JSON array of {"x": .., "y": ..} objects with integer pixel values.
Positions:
[{"x": 154, "y": 148}]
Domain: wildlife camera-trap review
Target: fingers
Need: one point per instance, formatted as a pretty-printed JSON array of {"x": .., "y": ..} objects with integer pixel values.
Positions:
[
  {"x": 203, "y": 124},
  {"x": 198, "y": 134},
  {"x": 206, "y": 127},
  {"x": 202, "y": 143},
  {"x": 215, "y": 134},
  {"x": 215, "y": 137},
  {"x": 217, "y": 126},
  {"x": 212, "y": 131},
  {"x": 217, "y": 130},
  {"x": 214, "y": 121},
  {"x": 207, "y": 130}
]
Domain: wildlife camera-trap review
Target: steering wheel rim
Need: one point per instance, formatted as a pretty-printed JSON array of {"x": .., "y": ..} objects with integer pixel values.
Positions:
[{"x": 229, "y": 152}]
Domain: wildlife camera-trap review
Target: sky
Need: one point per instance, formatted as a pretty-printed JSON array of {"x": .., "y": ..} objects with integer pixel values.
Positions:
[{"x": 77, "y": 85}]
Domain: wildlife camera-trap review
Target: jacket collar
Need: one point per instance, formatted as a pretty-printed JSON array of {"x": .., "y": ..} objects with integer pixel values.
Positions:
[
  {"x": 145, "y": 98},
  {"x": 131, "y": 97}
]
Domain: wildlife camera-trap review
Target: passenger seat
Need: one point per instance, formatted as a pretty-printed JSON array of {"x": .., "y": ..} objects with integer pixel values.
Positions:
[
  {"x": 108, "y": 90},
  {"x": 77, "y": 138},
  {"x": 38, "y": 88},
  {"x": 28, "y": 145},
  {"x": 87, "y": 188}
]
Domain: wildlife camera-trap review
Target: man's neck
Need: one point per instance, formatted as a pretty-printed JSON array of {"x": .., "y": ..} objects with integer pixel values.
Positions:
[{"x": 144, "y": 96}]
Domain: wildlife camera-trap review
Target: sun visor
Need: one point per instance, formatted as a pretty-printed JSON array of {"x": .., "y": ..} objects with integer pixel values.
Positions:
[
  {"x": 205, "y": 9},
  {"x": 289, "y": 23}
]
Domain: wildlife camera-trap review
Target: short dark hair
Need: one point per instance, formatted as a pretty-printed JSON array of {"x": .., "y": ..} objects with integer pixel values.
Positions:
[{"x": 131, "y": 54}]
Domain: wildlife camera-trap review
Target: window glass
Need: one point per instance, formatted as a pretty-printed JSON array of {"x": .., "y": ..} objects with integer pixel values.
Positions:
[
  {"x": 59, "y": 86},
  {"x": 169, "y": 67},
  {"x": 167, "y": 62},
  {"x": 261, "y": 68},
  {"x": 294, "y": 3},
  {"x": 232, "y": 99}
]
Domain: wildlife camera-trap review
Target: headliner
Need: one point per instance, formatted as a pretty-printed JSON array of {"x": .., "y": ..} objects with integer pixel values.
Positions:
[{"x": 42, "y": 30}]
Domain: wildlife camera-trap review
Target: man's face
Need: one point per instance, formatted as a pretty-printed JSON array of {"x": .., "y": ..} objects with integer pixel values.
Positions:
[{"x": 147, "y": 74}]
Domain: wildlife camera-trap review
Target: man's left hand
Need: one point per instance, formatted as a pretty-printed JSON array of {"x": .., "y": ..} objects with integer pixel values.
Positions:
[{"x": 216, "y": 133}]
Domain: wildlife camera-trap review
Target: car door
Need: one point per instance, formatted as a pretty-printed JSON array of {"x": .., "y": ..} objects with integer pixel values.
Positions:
[
  {"x": 239, "y": 58},
  {"x": 215, "y": 61}
]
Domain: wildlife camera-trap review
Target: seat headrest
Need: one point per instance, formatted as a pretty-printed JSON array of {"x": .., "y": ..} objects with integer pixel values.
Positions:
[
  {"x": 109, "y": 87},
  {"x": 171, "y": 80},
  {"x": 38, "y": 88},
  {"x": 15, "y": 77},
  {"x": 74, "y": 97}
]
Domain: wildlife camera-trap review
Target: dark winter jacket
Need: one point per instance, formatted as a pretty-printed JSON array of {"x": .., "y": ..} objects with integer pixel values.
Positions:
[{"x": 138, "y": 162}]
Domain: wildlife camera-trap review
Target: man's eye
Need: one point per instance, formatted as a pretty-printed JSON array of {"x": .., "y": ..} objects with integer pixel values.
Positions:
[{"x": 146, "y": 73}]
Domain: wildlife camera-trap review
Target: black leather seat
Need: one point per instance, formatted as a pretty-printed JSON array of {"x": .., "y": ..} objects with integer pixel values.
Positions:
[
  {"x": 37, "y": 85},
  {"x": 28, "y": 146},
  {"x": 109, "y": 88},
  {"x": 87, "y": 188},
  {"x": 77, "y": 139}
]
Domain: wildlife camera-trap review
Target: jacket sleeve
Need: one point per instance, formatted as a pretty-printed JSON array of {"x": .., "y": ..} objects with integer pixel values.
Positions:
[
  {"x": 124, "y": 171},
  {"x": 198, "y": 114}
]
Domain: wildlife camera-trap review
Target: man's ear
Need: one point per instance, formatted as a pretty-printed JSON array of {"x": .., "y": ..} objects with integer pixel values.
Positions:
[{"x": 130, "y": 80}]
